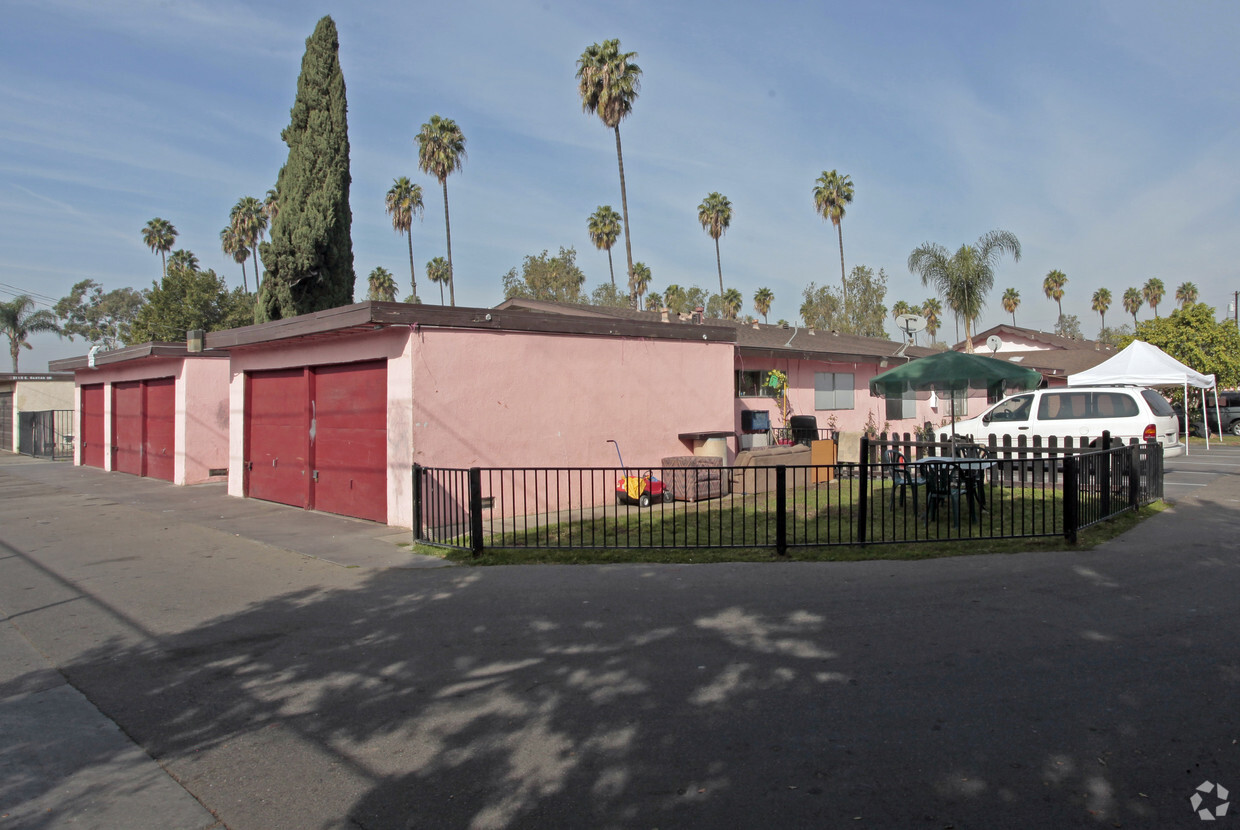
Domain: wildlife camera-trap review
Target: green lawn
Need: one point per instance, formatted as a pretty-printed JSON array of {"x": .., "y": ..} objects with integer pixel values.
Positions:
[{"x": 822, "y": 523}]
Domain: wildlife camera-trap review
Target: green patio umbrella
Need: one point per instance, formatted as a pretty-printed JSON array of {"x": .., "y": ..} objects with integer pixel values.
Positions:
[{"x": 948, "y": 372}]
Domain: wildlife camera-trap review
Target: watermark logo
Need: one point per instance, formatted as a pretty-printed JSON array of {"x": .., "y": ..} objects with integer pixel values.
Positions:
[{"x": 1219, "y": 801}]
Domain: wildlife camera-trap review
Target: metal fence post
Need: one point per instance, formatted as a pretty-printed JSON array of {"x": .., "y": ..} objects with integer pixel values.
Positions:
[
  {"x": 475, "y": 510},
  {"x": 1134, "y": 477},
  {"x": 1104, "y": 474},
  {"x": 1071, "y": 497},
  {"x": 863, "y": 490},
  {"x": 417, "y": 502},
  {"x": 781, "y": 510}
]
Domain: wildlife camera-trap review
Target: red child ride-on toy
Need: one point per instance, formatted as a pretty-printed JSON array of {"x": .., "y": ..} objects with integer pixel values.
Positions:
[{"x": 642, "y": 490}]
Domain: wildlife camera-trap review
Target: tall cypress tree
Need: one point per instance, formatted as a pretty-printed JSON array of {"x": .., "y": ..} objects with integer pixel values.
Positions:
[{"x": 309, "y": 260}]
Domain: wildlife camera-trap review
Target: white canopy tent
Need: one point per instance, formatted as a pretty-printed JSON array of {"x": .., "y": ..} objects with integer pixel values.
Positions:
[{"x": 1141, "y": 364}]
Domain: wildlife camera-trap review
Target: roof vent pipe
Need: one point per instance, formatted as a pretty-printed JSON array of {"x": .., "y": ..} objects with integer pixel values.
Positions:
[{"x": 193, "y": 341}]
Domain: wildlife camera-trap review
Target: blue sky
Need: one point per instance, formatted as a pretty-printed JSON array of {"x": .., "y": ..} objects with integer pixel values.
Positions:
[{"x": 1103, "y": 134}]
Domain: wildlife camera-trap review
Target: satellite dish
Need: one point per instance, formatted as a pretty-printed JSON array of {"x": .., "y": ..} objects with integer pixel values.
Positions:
[
  {"x": 994, "y": 343},
  {"x": 910, "y": 324}
]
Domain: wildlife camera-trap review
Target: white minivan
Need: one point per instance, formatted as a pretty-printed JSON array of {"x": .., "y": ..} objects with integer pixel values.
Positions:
[{"x": 1081, "y": 413}]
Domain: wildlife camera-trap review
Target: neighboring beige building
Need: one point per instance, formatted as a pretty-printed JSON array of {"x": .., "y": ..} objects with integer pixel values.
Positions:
[{"x": 30, "y": 392}]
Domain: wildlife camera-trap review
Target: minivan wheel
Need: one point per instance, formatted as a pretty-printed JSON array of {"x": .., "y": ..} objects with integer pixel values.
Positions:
[{"x": 1235, "y": 427}]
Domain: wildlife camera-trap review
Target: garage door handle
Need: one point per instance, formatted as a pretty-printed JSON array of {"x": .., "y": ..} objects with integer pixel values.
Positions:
[
  {"x": 273, "y": 461},
  {"x": 315, "y": 475}
]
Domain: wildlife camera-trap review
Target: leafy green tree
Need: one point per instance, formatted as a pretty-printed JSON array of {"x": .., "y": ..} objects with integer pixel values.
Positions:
[
  {"x": 762, "y": 300},
  {"x": 608, "y": 296},
  {"x": 437, "y": 271},
  {"x": 97, "y": 317},
  {"x": 1186, "y": 294},
  {"x": 19, "y": 319},
  {"x": 640, "y": 281},
  {"x": 1116, "y": 336},
  {"x": 832, "y": 192},
  {"x": 543, "y": 277},
  {"x": 866, "y": 314},
  {"x": 1053, "y": 287},
  {"x": 403, "y": 202},
  {"x": 821, "y": 308},
  {"x": 732, "y": 301},
  {"x": 1069, "y": 326},
  {"x": 1153, "y": 292},
  {"x": 441, "y": 152},
  {"x": 608, "y": 82},
  {"x": 159, "y": 235},
  {"x": 965, "y": 278},
  {"x": 189, "y": 298},
  {"x": 1100, "y": 302},
  {"x": 1011, "y": 302},
  {"x": 249, "y": 223},
  {"x": 309, "y": 259},
  {"x": 932, "y": 310},
  {"x": 381, "y": 285},
  {"x": 1194, "y": 337},
  {"x": 1132, "y": 303},
  {"x": 715, "y": 216},
  {"x": 231, "y": 242},
  {"x": 604, "y": 228}
]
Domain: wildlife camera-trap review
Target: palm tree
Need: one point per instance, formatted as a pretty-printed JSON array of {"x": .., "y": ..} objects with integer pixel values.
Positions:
[
  {"x": 604, "y": 228},
  {"x": 18, "y": 321},
  {"x": 160, "y": 236},
  {"x": 675, "y": 298},
  {"x": 249, "y": 220},
  {"x": 404, "y": 201},
  {"x": 1100, "y": 303},
  {"x": 1186, "y": 294},
  {"x": 231, "y": 242},
  {"x": 762, "y": 300},
  {"x": 441, "y": 152},
  {"x": 608, "y": 82},
  {"x": 715, "y": 215},
  {"x": 1132, "y": 303},
  {"x": 1053, "y": 285},
  {"x": 831, "y": 194},
  {"x": 1011, "y": 302},
  {"x": 271, "y": 206},
  {"x": 654, "y": 301},
  {"x": 437, "y": 270},
  {"x": 965, "y": 278},
  {"x": 732, "y": 300},
  {"x": 382, "y": 285},
  {"x": 932, "y": 310},
  {"x": 183, "y": 259},
  {"x": 640, "y": 280},
  {"x": 1153, "y": 291}
]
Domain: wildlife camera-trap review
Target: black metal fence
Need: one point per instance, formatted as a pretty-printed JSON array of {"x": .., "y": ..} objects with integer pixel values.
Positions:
[
  {"x": 46, "y": 434},
  {"x": 919, "y": 498}
]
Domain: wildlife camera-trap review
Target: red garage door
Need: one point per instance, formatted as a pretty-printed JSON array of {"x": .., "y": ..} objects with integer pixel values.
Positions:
[
  {"x": 127, "y": 427},
  {"x": 91, "y": 430},
  {"x": 316, "y": 437},
  {"x": 277, "y": 436},
  {"x": 159, "y": 428},
  {"x": 350, "y": 440}
]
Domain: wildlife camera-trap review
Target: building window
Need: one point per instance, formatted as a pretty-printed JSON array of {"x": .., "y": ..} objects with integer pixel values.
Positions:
[
  {"x": 903, "y": 407},
  {"x": 752, "y": 384},
  {"x": 961, "y": 397},
  {"x": 833, "y": 390}
]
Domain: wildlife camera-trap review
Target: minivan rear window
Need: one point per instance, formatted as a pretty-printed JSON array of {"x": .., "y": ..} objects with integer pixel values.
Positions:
[{"x": 1158, "y": 404}]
